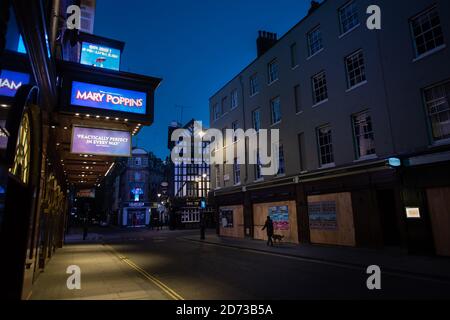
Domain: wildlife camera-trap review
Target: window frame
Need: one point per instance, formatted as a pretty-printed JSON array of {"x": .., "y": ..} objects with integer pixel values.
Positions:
[
  {"x": 272, "y": 113},
  {"x": 271, "y": 73},
  {"x": 315, "y": 102},
  {"x": 418, "y": 55},
  {"x": 320, "y": 147},
  {"x": 347, "y": 72},
  {"x": 254, "y": 84},
  {"x": 340, "y": 10},
  {"x": 308, "y": 37},
  {"x": 355, "y": 136}
]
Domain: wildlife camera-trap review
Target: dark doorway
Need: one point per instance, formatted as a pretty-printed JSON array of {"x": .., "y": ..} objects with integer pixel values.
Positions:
[{"x": 389, "y": 219}]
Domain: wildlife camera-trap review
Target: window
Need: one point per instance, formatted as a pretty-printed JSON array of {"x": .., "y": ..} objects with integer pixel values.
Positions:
[
  {"x": 137, "y": 177},
  {"x": 224, "y": 104},
  {"x": 294, "y": 59},
  {"x": 234, "y": 99},
  {"x": 235, "y": 126},
  {"x": 363, "y": 135},
  {"x": 315, "y": 41},
  {"x": 254, "y": 85},
  {"x": 216, "y": 111},
  {"x": 348, "y": 17},
  {"x": 217, "y": 176},
  {"x": 437, "y": 101},
  {"x": 137, "y": 161},
  {"x": 297, "y": 101},
  {"x": 356, "y": 72},
  {"x": 320, "y": 91},
  {"x": 275, "y": 109},
  {"x": 273, "y": 71},
  {"x": 427, "y": 31},
  {"x": 236, "y": 172},
  {"x": 282, "y": 163},
  {"x": 256, "y": 119},
  {"x": 191, "y": 189},
  {"x": 325, "y": 144}
]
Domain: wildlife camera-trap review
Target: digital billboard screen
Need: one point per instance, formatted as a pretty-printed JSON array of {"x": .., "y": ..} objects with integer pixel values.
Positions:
[
  {"x": 104, "y": 142},
  {"x": 108, "y": 98},
  {"x": 11, "y": 81},
  {"x": 100, "y": 56}
]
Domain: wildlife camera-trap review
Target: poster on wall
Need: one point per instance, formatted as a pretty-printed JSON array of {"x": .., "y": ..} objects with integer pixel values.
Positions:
[
  {"x": 280, "y": 217},
  {"x": 108, "y": 98},
  {"x": 101, "y": 142},
  {"x": 226, "y": 218},
  {"x": 322, "y": 215}
]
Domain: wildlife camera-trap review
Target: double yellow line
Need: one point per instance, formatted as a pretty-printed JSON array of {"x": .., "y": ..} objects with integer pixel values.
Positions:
[{"x": 168, "y": 291}]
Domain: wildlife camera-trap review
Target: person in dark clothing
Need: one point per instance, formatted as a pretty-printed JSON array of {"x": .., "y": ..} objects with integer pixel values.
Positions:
[{"x": 268, "y": 226}]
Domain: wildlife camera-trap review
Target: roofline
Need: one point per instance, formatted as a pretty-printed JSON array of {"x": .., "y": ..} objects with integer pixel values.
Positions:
[{"x": 279, "y": 40}]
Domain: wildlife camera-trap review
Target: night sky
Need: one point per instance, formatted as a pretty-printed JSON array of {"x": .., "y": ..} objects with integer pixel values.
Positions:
[{"x": 196, "y": 46}]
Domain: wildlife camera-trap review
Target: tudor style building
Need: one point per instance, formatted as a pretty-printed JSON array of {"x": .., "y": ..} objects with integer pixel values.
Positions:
[{"x": 364, "y": 126}]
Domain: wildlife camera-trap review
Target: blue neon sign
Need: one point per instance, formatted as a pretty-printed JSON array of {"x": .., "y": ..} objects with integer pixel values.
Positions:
[
  {"x": 100, "y": 56},
  {"x": 11, "y": 81},
  {"x": 108, "y": 98},
  {"x": 395, "y": 162}
]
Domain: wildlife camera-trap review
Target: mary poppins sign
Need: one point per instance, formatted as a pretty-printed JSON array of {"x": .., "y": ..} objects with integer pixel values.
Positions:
[
  {"x": 101, "y": 142},
  {"x": 108, "y": 98}
]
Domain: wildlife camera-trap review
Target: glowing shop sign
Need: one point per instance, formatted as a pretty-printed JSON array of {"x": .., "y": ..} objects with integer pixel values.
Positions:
[
  {"x": 101, "y": 142},
  {"x": 11, "y": 81},
  {"x": 108, "y": 98},
  {"x": 100, "y": 56}
]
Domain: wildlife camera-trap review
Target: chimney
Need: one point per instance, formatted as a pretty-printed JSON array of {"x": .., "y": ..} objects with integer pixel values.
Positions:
[
  {"x": 314, "y": 6},
  {"x": 265, "y": 41}
]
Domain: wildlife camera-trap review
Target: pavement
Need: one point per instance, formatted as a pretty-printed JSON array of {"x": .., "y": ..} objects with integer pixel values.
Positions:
[
  {"x": 104, "y": 276},
  {"x": 149, "y": 264},
  {"x": 390, "y": 260}
]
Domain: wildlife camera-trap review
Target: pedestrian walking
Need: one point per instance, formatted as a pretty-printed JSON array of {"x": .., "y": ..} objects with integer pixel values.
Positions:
[{"x": 268, "y": 226}]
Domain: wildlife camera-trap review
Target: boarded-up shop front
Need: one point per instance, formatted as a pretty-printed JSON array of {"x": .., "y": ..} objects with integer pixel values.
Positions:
[
  {"x": 284, "y": 216},
  {"x": 439, "y": 206},
  {"x": 231, "y": 220},
  {"x": 331, "y": 219}
]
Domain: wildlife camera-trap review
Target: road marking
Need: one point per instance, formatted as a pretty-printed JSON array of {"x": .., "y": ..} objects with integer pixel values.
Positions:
[
  {"x": 168, "y": 291},
  {"x": 387, "y": 271}
]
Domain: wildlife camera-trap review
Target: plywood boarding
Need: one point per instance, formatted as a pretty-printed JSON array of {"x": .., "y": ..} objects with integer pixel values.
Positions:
[
  {"x": 260, "y": 213},
  {"x": 238, "y": 223},
  {"x": 439, "y": 205},
  {"x": 344, "y": 235}
]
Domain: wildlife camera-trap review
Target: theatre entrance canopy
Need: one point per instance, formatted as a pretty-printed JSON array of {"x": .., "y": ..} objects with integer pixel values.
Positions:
[{"x": 99, "y": 111}]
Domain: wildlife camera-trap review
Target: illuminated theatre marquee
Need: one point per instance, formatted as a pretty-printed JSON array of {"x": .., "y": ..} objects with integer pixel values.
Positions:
[
  {"x": 108, "y": 98},
  {"x": 104, "y": 142},
  {"x": 11, "y": 81}
]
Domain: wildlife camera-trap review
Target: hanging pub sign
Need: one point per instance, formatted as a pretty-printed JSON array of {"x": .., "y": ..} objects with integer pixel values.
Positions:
[
  {"x": 11, "y": 81},
  {"x": 104, "y": 142},
  {"x": 108, "y": 98}
]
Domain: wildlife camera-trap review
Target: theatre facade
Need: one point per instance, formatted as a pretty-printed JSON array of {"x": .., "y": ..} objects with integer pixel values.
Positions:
[{"x": 66, "y": 112}]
